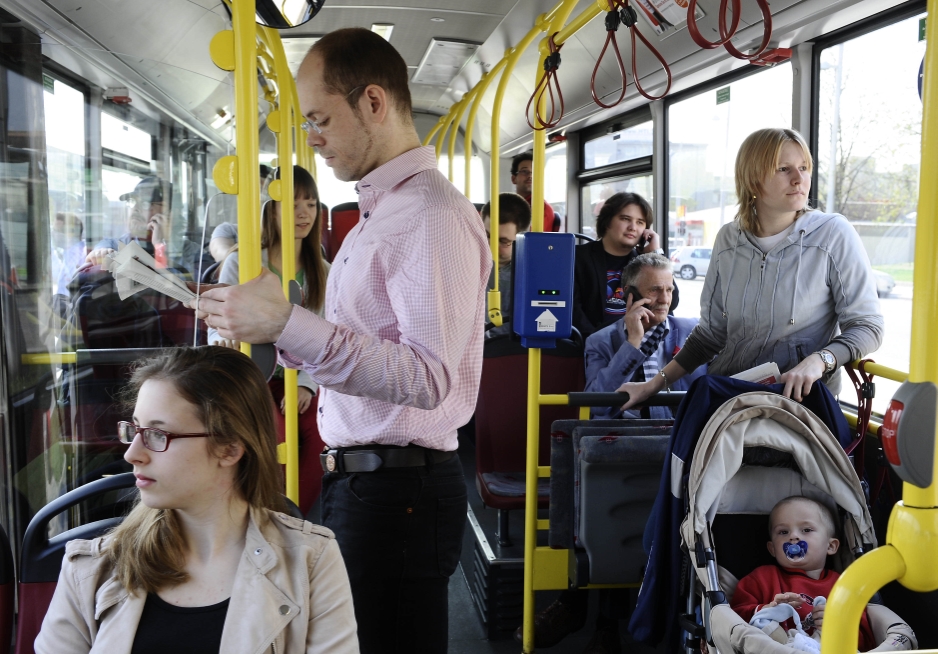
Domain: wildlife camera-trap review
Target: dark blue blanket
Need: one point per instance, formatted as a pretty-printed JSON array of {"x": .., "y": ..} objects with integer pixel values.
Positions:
[{"x": 656, "y": 612}]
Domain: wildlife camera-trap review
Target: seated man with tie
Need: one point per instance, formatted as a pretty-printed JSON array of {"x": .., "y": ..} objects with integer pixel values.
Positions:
[{"x": 639, "y": 346}]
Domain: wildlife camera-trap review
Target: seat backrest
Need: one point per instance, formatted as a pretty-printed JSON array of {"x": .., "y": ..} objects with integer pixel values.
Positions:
[
  {"x": 7, "y": 587},
  {"x": 501, "y": 414},
  {"x": 41, "y": 557},
  {"x": 343, "y": 218},
  {"x": 325, "y": 228}
]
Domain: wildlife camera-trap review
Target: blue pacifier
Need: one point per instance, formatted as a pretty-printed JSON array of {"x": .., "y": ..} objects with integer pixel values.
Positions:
[{"x": 795, "y": 551}]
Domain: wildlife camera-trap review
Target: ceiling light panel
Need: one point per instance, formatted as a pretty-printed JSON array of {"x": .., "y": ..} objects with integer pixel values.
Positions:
[
  {"x": 442, "y": 60},
  {"x": 295, "y": 49},
  {"x": 383, "y": 30}
]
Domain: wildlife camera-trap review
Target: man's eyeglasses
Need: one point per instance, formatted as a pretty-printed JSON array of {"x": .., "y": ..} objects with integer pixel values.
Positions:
[
  {"x": 155, "y": 440},
  {"x": 523, "y": 173},
  {"x": 308, "y": 125},
  {"x": 505, "y": 242}
]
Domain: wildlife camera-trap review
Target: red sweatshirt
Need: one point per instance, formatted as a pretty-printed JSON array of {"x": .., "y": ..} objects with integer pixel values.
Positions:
[{"x": 761, "y": 586}]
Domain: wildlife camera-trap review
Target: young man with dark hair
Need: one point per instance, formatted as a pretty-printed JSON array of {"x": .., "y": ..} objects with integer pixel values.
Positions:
[
  {"x": 522, "y": 176},
  {"x": 624, "y": 227},
  {"x": 398, "y": 355},
  {"x": 514, "y": 217}
]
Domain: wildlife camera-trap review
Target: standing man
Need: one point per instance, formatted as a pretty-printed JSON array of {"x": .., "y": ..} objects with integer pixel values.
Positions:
[
  {"x": 399, "y": 353},
  {"x": 522, "y": 176}
]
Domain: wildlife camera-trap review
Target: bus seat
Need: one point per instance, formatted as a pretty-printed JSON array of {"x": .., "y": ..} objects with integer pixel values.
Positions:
[
  {"x": 343, "y": 218},
  {"x": 325, "y": 233},
  {"x": 501, "y": 419},
  {"x": 7, "y": 585},
  {"x": 478, "y": 206},
  {"x": 41, "y": 557},
  {"x": 597, "y": 503}
]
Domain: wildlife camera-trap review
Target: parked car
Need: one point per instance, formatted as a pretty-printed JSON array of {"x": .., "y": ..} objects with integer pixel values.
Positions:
[
  {"x": 688, "y": 262},
  {"x": 884, "y": 283}
]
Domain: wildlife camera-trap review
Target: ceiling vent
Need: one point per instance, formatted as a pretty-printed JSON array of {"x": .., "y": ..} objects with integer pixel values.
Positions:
[{"x": 443, "y": 59}]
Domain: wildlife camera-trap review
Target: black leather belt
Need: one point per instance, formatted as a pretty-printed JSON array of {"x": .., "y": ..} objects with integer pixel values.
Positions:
[{"x": 369, "y": 460}]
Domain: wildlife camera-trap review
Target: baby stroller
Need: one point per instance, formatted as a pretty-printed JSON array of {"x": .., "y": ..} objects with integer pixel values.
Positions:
[{"x": 755, "y": 449}]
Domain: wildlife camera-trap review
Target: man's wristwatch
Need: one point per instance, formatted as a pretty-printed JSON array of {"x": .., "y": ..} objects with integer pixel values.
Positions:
[{"x": 830, "y": 362}]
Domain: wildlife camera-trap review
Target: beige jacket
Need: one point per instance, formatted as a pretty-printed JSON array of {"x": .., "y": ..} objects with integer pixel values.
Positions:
[{"x": 291, "y": 595}]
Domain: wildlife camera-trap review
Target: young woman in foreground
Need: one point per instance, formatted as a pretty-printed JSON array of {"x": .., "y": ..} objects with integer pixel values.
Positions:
[{"x": 204, "y": 562}]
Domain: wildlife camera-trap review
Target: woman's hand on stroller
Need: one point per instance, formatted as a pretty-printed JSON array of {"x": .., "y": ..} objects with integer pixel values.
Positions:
[{"x": 799, "y": 380}]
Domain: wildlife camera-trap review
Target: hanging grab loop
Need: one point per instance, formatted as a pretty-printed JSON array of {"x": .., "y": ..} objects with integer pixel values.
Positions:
[
  {"x": 725, "y": 33},
  {"x": 612, "y": 26},
  {"x": 629, "y": 19},
  {"x": 766, "y": 35},
  {"x": 547, "y": 84}
]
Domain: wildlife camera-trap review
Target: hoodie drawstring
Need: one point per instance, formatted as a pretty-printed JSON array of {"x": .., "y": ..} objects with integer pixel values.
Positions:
[{"x": 794, "y": 297}]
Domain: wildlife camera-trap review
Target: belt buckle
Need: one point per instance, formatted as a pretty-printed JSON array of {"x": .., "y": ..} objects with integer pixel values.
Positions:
[{"x": 331, "y": 461}]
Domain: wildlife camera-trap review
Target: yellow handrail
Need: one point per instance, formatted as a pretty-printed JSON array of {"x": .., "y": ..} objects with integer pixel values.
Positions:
[
  {"x": 450, "y": 117},
  {"x": 881, "y": 371},
  {"x": 436, "y": 128},
  {"x": 912, "y": 536},
  {"x": 483, "y": 86},
  {"x": 451, "y": 149}
]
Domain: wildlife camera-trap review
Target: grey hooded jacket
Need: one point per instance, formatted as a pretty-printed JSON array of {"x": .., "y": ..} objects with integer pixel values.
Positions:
[{"x": 814, "y": 290}]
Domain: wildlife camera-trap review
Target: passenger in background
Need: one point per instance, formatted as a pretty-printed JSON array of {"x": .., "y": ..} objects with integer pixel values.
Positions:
[
  {"x": 786, "y": 283},
  {"x": 625, "y": 230},
  {"x": 225, "y": 235},
  {"x": 399, "y": 356},
  {"x": 205, "y": 561},
  {"x": 636, "y": 347},
  {"x": 68, "y": 255},
  {"x": 522, "y": 176},
  {"x": 514, "y": 217},
  {"x": 150, "y": 224},
  {"x": 311, "y": 273}
]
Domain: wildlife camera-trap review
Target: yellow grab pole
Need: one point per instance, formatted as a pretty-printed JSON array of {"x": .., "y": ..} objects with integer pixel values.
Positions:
[
  {"x": 451, "y": 149},
  {"x": 282, "y": 125},
  {"x": 441, "y": 137},
  {"x": 912, "y": 537},
  {"x": 436, "y": 128},
  {"x": 247, "y": 141},
  {"x": 483, "y": 86},
  {"x": 534, "y": 356}
]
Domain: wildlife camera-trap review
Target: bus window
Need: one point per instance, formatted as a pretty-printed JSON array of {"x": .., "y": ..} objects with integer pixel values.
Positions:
[
  {"x": 869, "y": 145},
  {"x": 595, "y": 195}
]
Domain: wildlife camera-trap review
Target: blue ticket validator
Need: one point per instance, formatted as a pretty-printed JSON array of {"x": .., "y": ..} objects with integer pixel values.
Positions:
[{"x": 543, "y": 288}]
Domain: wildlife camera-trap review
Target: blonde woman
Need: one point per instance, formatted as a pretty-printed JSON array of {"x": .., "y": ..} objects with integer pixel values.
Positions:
[
  {"x": 204, "y": 562},
  {"x": 311, "y": 273},
  {"x": 786, "y": 283}
]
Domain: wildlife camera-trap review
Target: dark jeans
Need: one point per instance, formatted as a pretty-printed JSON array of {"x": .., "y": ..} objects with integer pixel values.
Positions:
[{"x": 400, "y": 531}]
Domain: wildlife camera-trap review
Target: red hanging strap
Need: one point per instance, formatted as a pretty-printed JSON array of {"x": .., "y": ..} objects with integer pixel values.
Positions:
[
  {"x": 866, "y": 391},
  {"x": 726, "y": 33},
  {"x": 766, "y": 35},
  {"x": 629, "y": 19},
  {"x": 612, "y": 26},
  {"x": 546, "y": 84}
]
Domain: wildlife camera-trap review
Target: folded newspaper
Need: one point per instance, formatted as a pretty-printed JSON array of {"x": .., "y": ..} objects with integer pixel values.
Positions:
[
  {"x": 135, "y": 270},
  {"x": 767, "y": 373}
]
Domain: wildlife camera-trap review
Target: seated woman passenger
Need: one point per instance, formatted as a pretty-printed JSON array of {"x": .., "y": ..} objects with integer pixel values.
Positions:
[
  {"x": 311, "y": 273},
  {"x": 643, "y": 342},
  {"x": 204, "y": 562},
  {"x": 624, "y": 229},
  {"x": 786, "y": 283}
]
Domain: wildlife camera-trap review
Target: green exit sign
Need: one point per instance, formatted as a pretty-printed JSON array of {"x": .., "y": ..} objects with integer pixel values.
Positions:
[
  {"x": 921, "y": 29},
  {"x": 723, "y": 95},
  {"x": 48, "y": 84}
]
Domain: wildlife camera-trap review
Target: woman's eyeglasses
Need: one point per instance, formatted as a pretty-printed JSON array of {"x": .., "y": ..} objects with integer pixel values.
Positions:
[{"x": 154, "y": 439}]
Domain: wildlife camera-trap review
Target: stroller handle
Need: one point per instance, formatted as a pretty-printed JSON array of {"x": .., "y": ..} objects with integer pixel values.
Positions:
[{"x": 618, "y": 399}]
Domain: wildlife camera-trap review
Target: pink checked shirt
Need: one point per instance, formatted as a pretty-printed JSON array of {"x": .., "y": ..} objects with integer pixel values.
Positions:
[{"x": 399, "y": 354}]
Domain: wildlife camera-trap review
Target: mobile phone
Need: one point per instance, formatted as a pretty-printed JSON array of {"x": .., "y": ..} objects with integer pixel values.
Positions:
[{"x": 631, "y": 290}]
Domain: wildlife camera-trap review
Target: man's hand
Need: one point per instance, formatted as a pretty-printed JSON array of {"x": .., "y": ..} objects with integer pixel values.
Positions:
[
  {"x": 304, "y": 397},
  {"x": 636, "y": 319},
  {"x": 158, "y": 225},
  {"x": 97, "y": 255},
  {"x": 234, "y": 345},
  {"x": 798, "y": 380},
  {"x": 653, "y": 242},
  {"x": 254, "y": 312}
]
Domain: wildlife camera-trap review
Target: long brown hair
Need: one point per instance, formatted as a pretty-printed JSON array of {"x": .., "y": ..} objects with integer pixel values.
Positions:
[
  {"x": 232, "y": 400},
  {"x": 314, "y": 267}
]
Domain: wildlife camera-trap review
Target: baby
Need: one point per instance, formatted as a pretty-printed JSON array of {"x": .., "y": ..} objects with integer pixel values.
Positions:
[{"x": 802, "y": 535}]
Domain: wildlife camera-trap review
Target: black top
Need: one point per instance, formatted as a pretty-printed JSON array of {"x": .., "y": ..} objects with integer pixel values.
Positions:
[
  {"x": 615, "y": 295},
  {"x": 179, "y": 629},
  {"x": 589, "y": 287}
]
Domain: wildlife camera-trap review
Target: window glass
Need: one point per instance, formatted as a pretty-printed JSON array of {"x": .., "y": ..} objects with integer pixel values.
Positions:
[
  {"x": 618, "y": 146},
  {"x": 459, "y": 176},
  {"x": 869, "y": 147},
  {"x": 122, "y": 137},
  {"x": 595, "y": 195},
  {"x": 704, "y": 135},
  {"x": 555, "y": 181}
]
